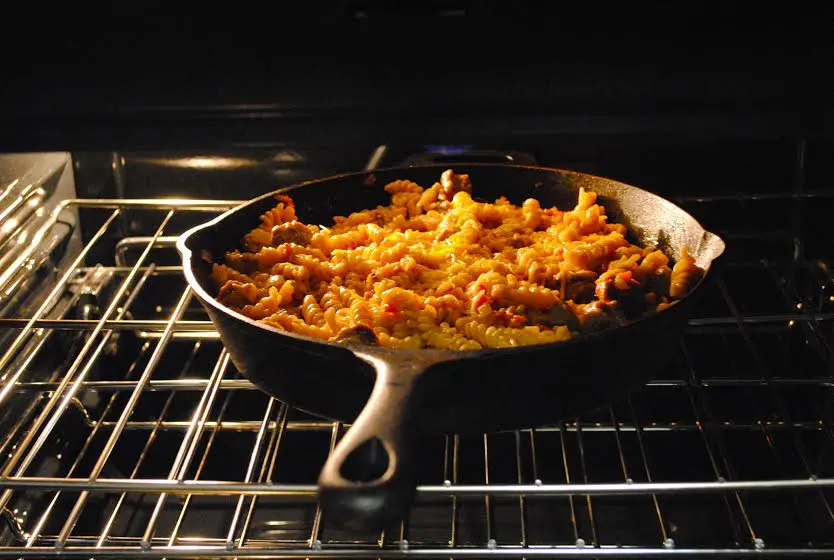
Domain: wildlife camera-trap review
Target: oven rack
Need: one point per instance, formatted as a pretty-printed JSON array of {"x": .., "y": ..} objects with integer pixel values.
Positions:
[{"x": 45, "y": 529}]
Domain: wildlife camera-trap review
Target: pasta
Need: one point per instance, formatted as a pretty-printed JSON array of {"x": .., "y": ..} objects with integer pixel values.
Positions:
[{"x": 438, "y": 269}]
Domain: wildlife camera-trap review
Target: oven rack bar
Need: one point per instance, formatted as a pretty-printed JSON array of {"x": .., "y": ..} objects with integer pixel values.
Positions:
[
  {"x": 568, "y": 427},
  {"x": 224, "y": 488},
  {"x": 566, "y": 551},
  {"x": 197, "y": 544}
]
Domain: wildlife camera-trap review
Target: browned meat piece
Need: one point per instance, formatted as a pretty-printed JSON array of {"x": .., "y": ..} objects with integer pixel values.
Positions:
[
  {"x": 451, "y": 184},
  {"x": 517, "y": 242},
  {"x": 580, "y": 292},
  {"x": 291, "y": 232},
  {"x": 580, "y": 286},
  {"x": 612, "y": 285},
  {"x": 658, "y": 282},
  {"x": 598, "y": 316},
  {"x": 556, "y": 315},
  {"x": 623, "y": 288},
  {"x": 238, "y": 294},
  {"x": 512, "y": 316},
  {"x": 360, "y": 334}
]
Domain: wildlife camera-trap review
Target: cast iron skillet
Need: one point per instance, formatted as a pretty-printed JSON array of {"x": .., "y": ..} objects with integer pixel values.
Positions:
[{"x": 435, "y": 390}]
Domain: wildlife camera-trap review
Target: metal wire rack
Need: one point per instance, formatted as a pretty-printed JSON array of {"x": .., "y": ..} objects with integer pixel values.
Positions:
[{"x": 142, "y": 440}]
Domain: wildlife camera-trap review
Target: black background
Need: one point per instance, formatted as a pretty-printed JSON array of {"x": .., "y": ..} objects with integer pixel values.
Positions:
[{"x": 160, "y": 75}]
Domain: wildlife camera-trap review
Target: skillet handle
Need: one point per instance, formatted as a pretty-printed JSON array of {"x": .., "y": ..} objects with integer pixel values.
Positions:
[{"x": 368, "y": 480}]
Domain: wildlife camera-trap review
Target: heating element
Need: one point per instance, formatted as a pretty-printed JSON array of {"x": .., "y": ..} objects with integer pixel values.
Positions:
[{"x": 125, "y": 431}]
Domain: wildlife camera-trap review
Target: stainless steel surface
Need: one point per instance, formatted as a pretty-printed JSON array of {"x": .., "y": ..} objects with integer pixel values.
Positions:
[
  {"x": 32, "y": 186},
  {"x": 158, "y": 449}
]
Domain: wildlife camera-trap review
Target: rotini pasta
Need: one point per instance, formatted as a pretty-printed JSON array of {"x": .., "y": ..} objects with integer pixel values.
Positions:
[{"x": 437, "y": 269}]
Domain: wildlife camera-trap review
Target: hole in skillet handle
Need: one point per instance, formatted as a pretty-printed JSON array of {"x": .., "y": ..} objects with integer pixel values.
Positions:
[
  {"x": 368, "y": 482},
  {"x": 366, "y": 463}
]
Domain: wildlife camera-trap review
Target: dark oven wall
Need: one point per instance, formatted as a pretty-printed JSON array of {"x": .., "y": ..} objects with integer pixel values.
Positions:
[{"x": 693, "y": 99}]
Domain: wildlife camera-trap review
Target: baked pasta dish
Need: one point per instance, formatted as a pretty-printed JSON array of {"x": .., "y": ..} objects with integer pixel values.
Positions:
[{"x": 438, "y": 269}]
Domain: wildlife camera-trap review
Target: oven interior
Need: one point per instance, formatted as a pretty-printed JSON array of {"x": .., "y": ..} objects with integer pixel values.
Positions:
[{"x": 126, "y": 431}]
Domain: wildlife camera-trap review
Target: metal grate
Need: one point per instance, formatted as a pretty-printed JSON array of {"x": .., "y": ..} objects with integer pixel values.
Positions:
[{"x": 142, "y": 440}]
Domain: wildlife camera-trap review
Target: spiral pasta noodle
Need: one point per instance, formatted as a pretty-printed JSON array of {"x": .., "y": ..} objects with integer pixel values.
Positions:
[{"x": 437, "y": 269}]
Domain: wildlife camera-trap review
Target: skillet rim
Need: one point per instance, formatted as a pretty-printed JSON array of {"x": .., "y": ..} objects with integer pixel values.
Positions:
[{"x": 187, "y": 255}]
